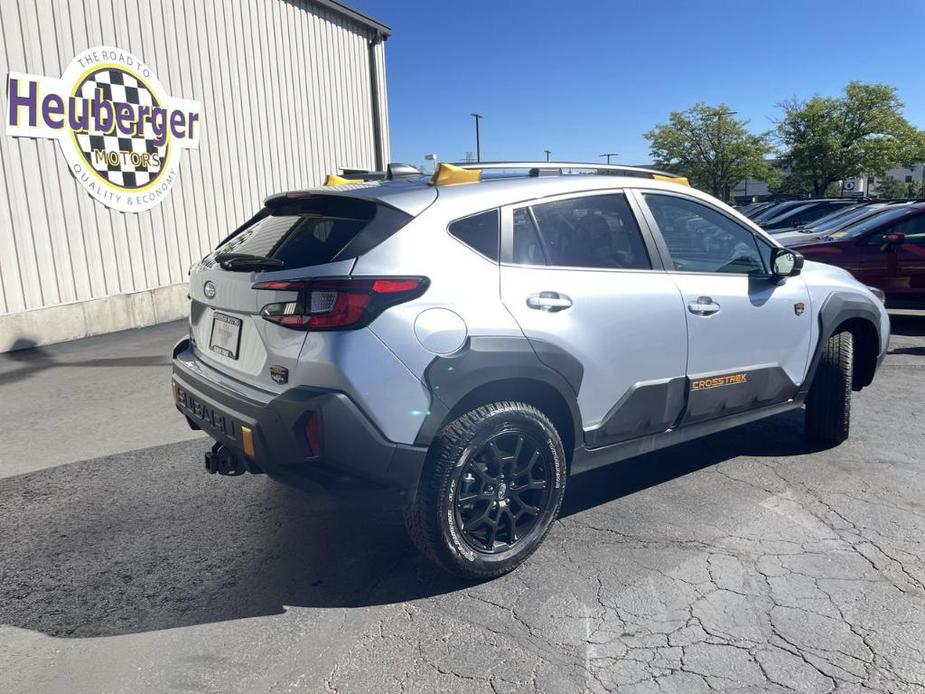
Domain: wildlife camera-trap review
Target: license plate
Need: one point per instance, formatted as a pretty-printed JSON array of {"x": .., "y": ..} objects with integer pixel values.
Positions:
[{"x": 226, "y": 335}]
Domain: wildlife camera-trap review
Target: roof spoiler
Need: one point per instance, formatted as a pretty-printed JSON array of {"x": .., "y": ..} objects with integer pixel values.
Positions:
[{"x": 393, "y": 172}]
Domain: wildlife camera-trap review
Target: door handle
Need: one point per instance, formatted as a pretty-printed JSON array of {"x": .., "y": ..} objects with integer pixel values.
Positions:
[
  {"x": 704, "y": 306},
  {"x": 549, "y": 301}
]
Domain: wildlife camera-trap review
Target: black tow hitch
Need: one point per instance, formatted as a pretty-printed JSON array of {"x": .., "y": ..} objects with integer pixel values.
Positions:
[{"x": 224, "y": 462}]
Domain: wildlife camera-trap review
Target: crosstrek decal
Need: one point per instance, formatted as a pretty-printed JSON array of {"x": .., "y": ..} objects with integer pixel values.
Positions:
[
  {"x": 119, "y": 131},
  {"x": 718, "y": 381}
]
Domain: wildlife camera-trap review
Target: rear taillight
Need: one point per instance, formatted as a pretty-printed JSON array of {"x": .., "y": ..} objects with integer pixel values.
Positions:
[{"x": 338, "y": 304}]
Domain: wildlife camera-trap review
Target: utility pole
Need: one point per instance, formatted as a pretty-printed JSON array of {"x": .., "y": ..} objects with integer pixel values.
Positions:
[
  {"x": 478, "y": 145},
  {"x": 548, "y": 152},
  {"x": 608, "y": 155}
]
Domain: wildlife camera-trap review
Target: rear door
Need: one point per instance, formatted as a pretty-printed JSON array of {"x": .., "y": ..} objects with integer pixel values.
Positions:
[
  {"x": 319, "y": 236},
  {"x": 748, "y": 335},
  {"x": 580, "y": 277}
]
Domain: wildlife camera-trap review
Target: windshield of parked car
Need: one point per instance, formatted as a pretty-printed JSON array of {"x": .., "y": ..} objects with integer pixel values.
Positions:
[
  {"x": 785, "y": 213},
  {"x": 803, "y": 215},
  {"x": 872, "y": 222},
  {"x": 842, "y": 218},
  {"x": 837, "y": 213},
  {"x": 775, "y": 210}
]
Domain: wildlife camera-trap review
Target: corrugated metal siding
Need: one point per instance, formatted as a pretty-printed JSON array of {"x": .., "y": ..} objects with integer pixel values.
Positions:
[{"x": 286, "y": 96}]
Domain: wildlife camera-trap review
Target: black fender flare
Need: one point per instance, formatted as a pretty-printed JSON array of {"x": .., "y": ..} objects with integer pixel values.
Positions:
[
  {"x": 490, "y": 359},
  {"x": 837, "y": 308}
]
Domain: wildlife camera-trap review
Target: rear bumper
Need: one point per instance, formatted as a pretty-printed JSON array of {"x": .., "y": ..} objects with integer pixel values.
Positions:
[{"x": 354, "y": 457}]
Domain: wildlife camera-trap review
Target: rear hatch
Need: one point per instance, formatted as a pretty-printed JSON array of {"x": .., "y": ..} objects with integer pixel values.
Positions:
[{"x": 293, "y": 237}]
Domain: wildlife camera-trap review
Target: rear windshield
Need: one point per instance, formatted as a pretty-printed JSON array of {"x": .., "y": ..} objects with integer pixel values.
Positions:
[{"x": 314, "y": 231}]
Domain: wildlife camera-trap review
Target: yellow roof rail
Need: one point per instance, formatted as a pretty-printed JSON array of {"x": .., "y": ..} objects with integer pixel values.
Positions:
[
  {"x": 335, "y": 180},
  {"x": 447, "y": 174},
  {"x": 682, "y": 180}
]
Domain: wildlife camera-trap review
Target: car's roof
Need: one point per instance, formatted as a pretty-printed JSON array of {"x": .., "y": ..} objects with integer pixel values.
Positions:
[{"x": 413, "y": 196}]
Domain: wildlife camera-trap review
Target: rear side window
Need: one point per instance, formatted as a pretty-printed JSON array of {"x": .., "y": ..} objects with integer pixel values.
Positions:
[
  {"x": 480, "y": 232},
  {"x": 597, "y": 231},
  {"x": 316, "y": 230}
]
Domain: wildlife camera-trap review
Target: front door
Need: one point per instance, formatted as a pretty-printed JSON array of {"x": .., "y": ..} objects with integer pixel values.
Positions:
[
  {"x": 748, "y": 334},
  {"x": 580, "y": 278},
  {"x": 896, "y": 268}
]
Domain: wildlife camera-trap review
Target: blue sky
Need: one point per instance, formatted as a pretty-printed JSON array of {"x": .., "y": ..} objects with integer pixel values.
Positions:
[{"x": 589, "y": 77}]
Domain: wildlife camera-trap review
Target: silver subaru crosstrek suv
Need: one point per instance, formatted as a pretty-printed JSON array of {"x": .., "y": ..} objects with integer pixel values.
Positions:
[{"x": 460, "y": 345}]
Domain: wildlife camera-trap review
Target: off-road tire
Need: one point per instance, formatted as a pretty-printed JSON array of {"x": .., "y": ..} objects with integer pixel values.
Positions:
[
  {"x": 828, "y": 403},
  {"x": 432, "y": 520}
]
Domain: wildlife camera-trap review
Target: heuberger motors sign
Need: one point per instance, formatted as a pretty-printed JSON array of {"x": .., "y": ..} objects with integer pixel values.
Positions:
[{"x": 120, "y": 132}]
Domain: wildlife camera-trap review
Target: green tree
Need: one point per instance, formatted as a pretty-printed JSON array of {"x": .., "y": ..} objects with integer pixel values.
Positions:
[
  {"x": 890, "y": 188},
  {"x": 828, "y": 139},
  {"x": 711, "y": 147}
]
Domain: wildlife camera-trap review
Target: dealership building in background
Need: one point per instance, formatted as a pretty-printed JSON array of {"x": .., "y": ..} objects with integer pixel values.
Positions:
[{"x": 139, "y": 133}]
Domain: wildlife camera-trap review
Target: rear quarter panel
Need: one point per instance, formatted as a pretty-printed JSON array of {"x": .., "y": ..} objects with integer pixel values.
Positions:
[{"x": 461, "y": 281}]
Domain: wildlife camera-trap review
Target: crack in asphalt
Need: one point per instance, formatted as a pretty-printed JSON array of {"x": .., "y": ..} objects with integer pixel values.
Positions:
[
  {"x": 723, "y": 613},
  {"x": 751, "y": 564}
]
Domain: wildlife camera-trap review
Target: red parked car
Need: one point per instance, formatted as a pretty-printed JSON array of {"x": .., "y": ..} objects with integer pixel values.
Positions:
[{"x": 886, "y": 251}]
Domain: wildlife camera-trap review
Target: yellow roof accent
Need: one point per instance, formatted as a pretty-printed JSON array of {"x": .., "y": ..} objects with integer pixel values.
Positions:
[
  {"x": 672, "y": 179},
  {"x": 447, "y": 174},
  {"x": 335, "y": 180}
]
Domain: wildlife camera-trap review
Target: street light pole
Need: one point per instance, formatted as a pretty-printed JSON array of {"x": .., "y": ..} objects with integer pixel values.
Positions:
[
  {"x": 548, "y": 152},
  {"x": 608, "y": 155},
  {"x": 478, "y": 145}
]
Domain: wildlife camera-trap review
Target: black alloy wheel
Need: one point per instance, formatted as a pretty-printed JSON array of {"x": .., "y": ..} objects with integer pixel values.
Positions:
[
  {"x": 490, "y": 490},
  {"x": 503, "y": 491}
]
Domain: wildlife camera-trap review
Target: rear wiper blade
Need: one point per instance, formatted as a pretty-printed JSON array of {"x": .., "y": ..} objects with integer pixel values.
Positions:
[{"x": 230, "y": 261}]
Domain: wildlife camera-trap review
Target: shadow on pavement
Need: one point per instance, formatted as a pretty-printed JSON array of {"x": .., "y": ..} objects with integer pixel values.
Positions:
[
  {"x": 31, "y": 361},
  {"x": 146, "y": 541},
  {"x": 913, "y": 351},
  {"x": 904, "y": 324},
  {"x": 781, "y": 435}
]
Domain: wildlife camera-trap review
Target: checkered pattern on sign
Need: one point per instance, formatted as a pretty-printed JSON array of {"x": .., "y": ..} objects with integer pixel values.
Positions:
[{"x": 120, "y": 87}]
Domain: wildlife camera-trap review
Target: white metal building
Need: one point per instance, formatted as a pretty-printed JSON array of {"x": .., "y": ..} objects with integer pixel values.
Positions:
[{"x": 272, "y": 94}]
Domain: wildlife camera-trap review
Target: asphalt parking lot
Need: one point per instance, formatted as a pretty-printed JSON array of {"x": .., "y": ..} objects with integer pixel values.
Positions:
[{"x": 745, "y": 560}]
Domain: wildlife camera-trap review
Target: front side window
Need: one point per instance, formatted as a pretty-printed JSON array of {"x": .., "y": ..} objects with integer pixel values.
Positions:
[
  {"x": 479, "y": 232},
  {"x": 912, "y": 228},
  {"x": 700, "y": 239},
  {"x": 597, "y": 231}
]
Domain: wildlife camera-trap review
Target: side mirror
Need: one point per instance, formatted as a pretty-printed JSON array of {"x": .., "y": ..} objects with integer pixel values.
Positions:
[
  {"x": 893, "y": 239},
  {"x": 785, "y": 263}
]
